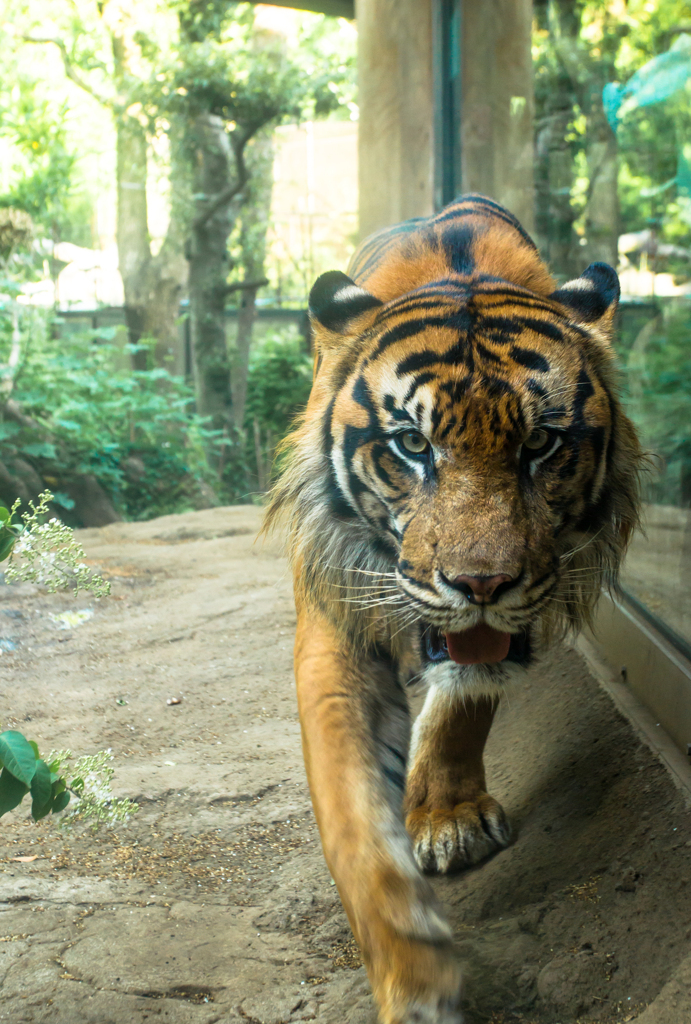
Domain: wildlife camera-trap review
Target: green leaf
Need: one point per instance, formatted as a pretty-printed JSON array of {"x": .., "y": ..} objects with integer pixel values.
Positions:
[
  {"x": 59, "y": 786},
  {"x": 41, "y": 812},
  {"x": 34, "y": 747},
  {"x": 77, "y": 785},
  {"x": 40, "y": 450},
  {"x": 4, "y": 514},
  {"x": 61, "y": 802},
  {"x": 60, "y": 498},
  {"x": 17, "y": 755},
  {"x": 7, "y": 540},
  {"x": 41, "y": 790},
  {"x": 12, "y": 792}
]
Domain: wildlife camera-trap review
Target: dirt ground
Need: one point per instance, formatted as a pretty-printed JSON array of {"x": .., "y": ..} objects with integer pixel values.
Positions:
[{"x": 213, "y": 904}]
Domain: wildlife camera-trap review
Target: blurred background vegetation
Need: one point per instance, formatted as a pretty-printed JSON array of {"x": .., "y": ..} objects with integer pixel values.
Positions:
[
  {"x": 175, "y": 173},
  {"x": 613, "y": 183},
  {"x": 148, "y": 127}
]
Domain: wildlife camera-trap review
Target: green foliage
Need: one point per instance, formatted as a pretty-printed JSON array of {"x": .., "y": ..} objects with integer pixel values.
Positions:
[
  {"x": 329, "y": 55},
  {"x": 589, "y": 53},
  {"x": 44, "y": 552},
  {"x": 134, "y": 430},
  {"x": 88, "y": 779},
  {"x": 42, "y": 177},
  {"x": 657, "y": 362},
  {"x": 51, "y": 784},
  {"x": 24, "y": 772},
  {"x": 219, "y": 68},
  {"x": 278, "y": 383}
]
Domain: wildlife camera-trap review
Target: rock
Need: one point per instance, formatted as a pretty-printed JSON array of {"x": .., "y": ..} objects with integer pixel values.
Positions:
[
  {"x": 570, "y": 983},
  {"x": 629, "y": 877}
]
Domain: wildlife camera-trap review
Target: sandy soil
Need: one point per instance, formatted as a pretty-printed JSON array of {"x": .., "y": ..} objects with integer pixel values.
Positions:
[{"x": 214, "y": 905}]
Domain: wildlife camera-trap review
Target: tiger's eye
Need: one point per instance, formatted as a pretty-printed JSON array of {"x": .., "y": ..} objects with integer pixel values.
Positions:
[
  {"x": 537, "y": 440},
  {"x": 414, "y": 442}
]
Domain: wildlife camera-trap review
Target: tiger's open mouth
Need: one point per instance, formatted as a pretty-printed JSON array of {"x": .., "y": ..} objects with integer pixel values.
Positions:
[{"x": 477, "y": 646}]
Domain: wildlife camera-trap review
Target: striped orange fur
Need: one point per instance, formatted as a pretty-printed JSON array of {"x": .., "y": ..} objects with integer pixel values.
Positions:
[{"x": 460, "y": 487}]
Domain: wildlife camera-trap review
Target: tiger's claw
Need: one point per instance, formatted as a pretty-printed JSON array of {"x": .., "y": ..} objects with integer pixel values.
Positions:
[{"x": 446, "y": 840}]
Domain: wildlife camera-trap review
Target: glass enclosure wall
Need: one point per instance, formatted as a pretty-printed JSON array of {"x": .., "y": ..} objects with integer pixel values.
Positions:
[{"x": 613, "y": 183}]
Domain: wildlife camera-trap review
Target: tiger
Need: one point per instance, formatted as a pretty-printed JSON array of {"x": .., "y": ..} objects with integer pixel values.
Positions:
[{"x": 462, "y": 484}]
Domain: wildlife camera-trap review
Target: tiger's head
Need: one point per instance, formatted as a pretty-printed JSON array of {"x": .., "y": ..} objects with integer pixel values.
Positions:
[{"x": 463, "y": 463}]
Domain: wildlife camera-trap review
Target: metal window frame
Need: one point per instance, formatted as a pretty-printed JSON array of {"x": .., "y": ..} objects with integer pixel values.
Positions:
[
  {"x": 651, "y": 661},
  {"x": 447, "y": 27}
]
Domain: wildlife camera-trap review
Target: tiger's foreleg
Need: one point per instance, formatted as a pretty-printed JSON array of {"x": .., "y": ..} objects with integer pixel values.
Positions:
[
  {"x": 354, "y": 724},
  {"x": 451, "y": 818}
]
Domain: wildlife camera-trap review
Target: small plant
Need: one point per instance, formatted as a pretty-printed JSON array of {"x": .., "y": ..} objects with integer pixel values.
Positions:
[
  {"x": 89, "y": 780},
  {"x": 24, "y": 771},
  {"x": 49, "y": 554},
  {"x": 53, "y": 782},
  {"x": 44, "y": 552}
]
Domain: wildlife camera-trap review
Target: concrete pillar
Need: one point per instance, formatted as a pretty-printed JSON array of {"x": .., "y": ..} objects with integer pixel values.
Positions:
[
  {"x": 396, "y": 144},
  {"x": 497, "y": 103},
  {"x": 397, "y": 107}
]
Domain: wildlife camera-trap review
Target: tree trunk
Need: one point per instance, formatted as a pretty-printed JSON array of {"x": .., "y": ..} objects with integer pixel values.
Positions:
[
  {"x": 208, "y": 270},
  {"x": 241, "y": 355},
  {"x": 602, "y": 211},
  {"x": 152, "y": 285},
  {"x": 132, "y": 227},
  {"x": 256, "y": 210}
]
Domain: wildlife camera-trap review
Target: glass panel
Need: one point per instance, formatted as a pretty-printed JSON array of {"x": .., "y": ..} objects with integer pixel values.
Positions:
[{"x": 613, "y": 183}]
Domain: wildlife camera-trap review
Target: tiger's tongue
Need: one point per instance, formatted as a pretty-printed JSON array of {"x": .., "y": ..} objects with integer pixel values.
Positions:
[{"x": 480, "y": 645}]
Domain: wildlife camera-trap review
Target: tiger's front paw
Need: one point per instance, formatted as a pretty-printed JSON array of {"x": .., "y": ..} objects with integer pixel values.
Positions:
[{"x": 446, "y": 840}]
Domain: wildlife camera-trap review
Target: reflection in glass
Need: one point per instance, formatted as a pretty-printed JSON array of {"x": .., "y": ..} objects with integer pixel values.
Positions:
[{"x": 613, "y": 183}]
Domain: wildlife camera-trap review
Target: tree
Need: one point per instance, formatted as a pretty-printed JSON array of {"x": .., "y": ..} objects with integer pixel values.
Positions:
[
  {"x": 252, "y": 229},
  {"x": 106, "y": 54},
  {"x": 595, "y": 182},
  {"x": 226, "y": 89},
  {"x": 197, "y": 74}
]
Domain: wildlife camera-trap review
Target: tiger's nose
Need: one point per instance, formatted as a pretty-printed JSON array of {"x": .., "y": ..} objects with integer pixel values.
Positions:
[{"x": 482, "y": 589}]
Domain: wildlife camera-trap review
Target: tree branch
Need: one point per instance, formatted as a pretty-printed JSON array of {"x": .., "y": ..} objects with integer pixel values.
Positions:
[
  {"x": 224, "y": 197},
  {"x": 12, "y": 410},
  {"x": 245, "y": 285},
  {"x": 221, "y": 199},
  {"x": 70, "y": 71}
]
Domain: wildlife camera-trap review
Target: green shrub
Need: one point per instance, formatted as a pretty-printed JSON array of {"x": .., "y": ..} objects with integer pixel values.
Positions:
[
  {"x": 136, "y": 431},
  {"x": 278, "y": 386}
]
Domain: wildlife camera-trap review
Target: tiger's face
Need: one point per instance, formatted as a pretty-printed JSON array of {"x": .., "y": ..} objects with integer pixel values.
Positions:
[{"x": 477, "y": 447}]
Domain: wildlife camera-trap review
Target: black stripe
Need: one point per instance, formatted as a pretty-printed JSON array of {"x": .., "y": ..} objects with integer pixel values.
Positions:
[
  {"x": 398, "y": 414},
  {"x": 467, "y": 205},
  {"x": 457, "y": 241},
  {"x": 377, "y": 451},
  {"x": 396, "y": 753},
  {"x": 487, "y": 354},
  {"x": 327, "y": 436},
  {"x": 532, "y": 360},
  {"x": 419, "y": 382},
  {"x": 543, "y": 327},
  {"x": 411, "y": 579},
  {"x": 393, "y": 776},
  {"x": 408, "y": 329}
]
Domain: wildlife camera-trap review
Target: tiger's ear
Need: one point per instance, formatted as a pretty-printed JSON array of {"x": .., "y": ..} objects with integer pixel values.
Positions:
[
  {"x": 593, "y": 296},
  {"x": 340, "y": 307}
]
